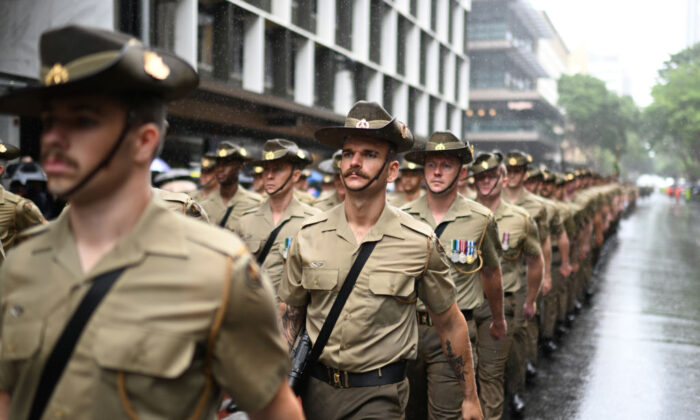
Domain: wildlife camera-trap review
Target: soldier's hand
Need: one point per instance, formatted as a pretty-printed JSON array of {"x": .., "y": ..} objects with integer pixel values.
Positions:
[
  {"x": 546, "y": 285},
  {"x": 498, "y": 329},
  {"x": 471, "y": 410},
  {"x": 565, "y": 270},
  {"x": 529, "y": 309}
]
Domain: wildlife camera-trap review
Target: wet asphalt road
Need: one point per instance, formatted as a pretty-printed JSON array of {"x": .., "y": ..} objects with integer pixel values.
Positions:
[{"x": 634, "y": 351}]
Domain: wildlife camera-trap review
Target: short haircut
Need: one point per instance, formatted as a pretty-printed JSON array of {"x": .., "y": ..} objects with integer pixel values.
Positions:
[{"x": 144, "y": 108}]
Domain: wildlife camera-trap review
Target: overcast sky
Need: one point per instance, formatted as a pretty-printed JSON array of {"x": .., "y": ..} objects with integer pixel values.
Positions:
[{"x": 644, "y": 33}]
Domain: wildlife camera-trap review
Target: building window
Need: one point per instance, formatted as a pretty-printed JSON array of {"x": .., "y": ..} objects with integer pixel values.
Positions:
[
  {"x": 414, "y": 8},
  {"x": 388, "y": 94},
  {"x": 375, "y": 30},
  {"x": 279, "y": 61},
  {"x": 454, "y": 9},
  {"x": 163, "y": 24},
  {"x": 325, "y": 77},
  {"x": 261, "y": 4},
  {"x": 220, "y": 41},
  {"x": 304, "y": 14},
  {"x": 424, "y": 42},
  {"x": 402, "y": 35},
  {"x": 442, "y": 70},
  {"x": 343, "y": 24},
  {"x": 412, "y": 101}
]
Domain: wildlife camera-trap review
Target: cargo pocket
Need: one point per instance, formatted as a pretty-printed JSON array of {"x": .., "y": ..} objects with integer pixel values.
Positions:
[
  {"x": 394, "y": 294},
  {"x": 142, "y": 369},
  {"x": 21, "y": 340}
]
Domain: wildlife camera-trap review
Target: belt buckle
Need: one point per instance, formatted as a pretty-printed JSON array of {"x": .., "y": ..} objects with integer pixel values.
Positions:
[{"x": 338, "y": 379}]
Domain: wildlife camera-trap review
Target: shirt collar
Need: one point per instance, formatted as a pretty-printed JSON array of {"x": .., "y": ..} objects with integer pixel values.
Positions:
[{"x": 388, "y": 224}]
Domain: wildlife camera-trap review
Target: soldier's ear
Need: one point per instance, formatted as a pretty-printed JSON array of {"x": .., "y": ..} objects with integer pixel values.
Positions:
[
  {"x": 393, "y": 171},
  {"x": 147, "y": 142}
]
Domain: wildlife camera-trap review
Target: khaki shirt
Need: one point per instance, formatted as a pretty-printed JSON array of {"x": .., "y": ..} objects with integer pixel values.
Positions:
[
  {"x": 242, "y": 201},
  {"x": 535, "y": 208},
  {"x": 327, "y": 201},
  {"x": 377, "y": 325},
  {"x": 255, "y": 226},
  {"x": 181, "y": 203},
  {"x": 304, "y": 197},
  {"x": 467, "y": 221},
  {"x": 398, "y": 199},
  {"x": 153, "y": 326},
  {"x": 16, "y": 213},
  {"x": 522, "y": 240}
]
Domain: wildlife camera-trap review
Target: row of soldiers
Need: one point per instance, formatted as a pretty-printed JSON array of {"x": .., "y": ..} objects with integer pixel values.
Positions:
[{"x": 123, "y": 308}]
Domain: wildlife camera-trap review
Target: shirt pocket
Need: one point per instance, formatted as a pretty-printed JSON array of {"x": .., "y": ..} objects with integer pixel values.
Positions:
[
  {"x": 21, "y": 340},
  {"x": 316, "y": 279},
  {"x": 254, "y": 245},
  {"x": 394, "y": 295},
  {"x": 160, "y": 372}
]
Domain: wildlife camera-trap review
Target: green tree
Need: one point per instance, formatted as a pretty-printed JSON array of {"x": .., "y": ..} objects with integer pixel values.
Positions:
[{"x": 673, "y": 119}]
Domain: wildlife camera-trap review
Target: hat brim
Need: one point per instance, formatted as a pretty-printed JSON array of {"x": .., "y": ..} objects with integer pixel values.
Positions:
[
  {"x": 123, "y": 76},
  {"x": 293, "y": 159},
  {"x": 402, "y": 140},
  {"x": 418, "y": 156},
  {"x": 11, "y": 152}
]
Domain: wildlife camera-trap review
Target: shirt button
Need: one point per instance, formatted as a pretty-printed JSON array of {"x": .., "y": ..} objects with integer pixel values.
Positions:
[{"x": 10, "y": 347}]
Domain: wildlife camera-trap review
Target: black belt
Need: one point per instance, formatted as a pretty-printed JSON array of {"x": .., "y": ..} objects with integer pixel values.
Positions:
[
  {"x": 389, "y": 374},
  {"x": 505, "y": 294},
  {"x": 424, "y": 317}
]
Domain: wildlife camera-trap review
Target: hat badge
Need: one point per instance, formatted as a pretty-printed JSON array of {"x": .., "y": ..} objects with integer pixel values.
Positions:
[
  {"x": 269, "y": 155},
  {"x": 484, "y": 164},
  {"x": 57, "y": 75},
  {"x": 362, "y": 124},
  {"x": 154, "y": 66},
  {"x": 404, "y": 131},
  {"x": 512, "y": 161},
  {"x": 301, "y": 154},
  {"x": 440, "y": 146},
  {"x": 222, "y": 153},
  {"x": 3, "y": 149}
]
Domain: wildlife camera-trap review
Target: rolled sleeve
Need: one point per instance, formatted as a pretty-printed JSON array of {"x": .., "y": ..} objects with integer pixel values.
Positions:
[
  {"x": 290, "y": 289},
  {"x": 532, "y": 245},
  {"x": 436, "y": 288},
  {"x": 491, "y": 250},
  {"x": 250, "y": 361}
]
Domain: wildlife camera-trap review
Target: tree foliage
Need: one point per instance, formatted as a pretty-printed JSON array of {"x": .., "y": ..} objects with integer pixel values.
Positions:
[
  {"x": 672, "y": 121},
  {"x": 598, "y": 117}
]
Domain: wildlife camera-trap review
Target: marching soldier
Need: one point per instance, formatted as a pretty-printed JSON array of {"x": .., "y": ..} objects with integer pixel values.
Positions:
[
  {"x": 181, "y": 203},
  {"x": 16, "y": 213},
  {"x": 231, "y": 200},
  {"x": 145, "y": 313},
  {"x": 336, "y": 195},
  {"x": 468, "y": 232},
  {"x": 518, "y": 234},
  {"x": 361, "y": 369},
  {"x": 207, "y": 178},
  {"x": 268, "y": 230},
  {"x": 525, "y": 340},
  {"x": 411, "y": 181},
  {"x": 301, "y": 186}
]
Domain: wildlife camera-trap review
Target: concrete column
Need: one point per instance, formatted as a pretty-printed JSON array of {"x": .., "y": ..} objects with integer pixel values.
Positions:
[
  {"x": 413, "y": 55},
  {"x": 254, "y": 55},
  {"x": 403, "y": 5},
  {"x": 458, "y": 30},
  {"x": 433, "y": 62},
  {"x": 422, "y": 105},
  {"x": 450, "y": 74},
  {"x": 343, "y": 90},
  {"x": 360, "y": 28},
  {"x": 456, "y": 122},
  {"x": 283, "y": 10},
  {"x": 390, "y": 27},
  {"x": 424, "y": 10},
  {"x": 304, "y": 73},
  {"x": 325, "y": 20},
  {"x": 186, "y": 31},
  {"x": 463, "y": 93},
  {"x": 375, "y": 88},
  {"x": 400, "y": 106},
  {"x": 440, "y": 122},
  {"x": 443, "y": 20}
]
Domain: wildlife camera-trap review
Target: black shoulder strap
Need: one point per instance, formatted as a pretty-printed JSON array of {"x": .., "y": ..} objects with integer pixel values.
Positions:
[
  {"x": 327, "y": 328},
  {"x": 223, "y": 221},
  {"x": 63, "y": 349},
  {"x": 441, "y": 228},
  {"x": 270, "y": 241}
]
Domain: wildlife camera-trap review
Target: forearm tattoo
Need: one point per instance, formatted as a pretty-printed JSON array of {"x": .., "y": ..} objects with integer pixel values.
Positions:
[
  {"x": 457, "y": 363},
  {"x": 292, "y": 320}
]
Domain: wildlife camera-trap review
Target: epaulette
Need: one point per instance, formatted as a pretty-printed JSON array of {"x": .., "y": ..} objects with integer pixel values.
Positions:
[
  {"x": 214, "y": 238},
  {"x": 315, "y": 219},
  {"x": 412, "y": 223},
  {"x": 479, "y": 208},
  {"x": 31, "y": 232},
  {"x": 250, "y": 211}
]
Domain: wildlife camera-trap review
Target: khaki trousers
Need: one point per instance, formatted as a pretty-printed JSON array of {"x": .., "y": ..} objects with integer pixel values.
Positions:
[
  {"x": 492, "y": 358},
  {"x": 515, "y": 367},
  {"x": 322, "y": 401},
  {"x": 435, "y": 391}
]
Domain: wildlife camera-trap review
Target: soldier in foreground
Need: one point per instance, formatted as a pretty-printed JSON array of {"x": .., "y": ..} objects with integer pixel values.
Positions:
[
  {"x": 361, "y": 372},
  {"x": 468, "y": 232},
  {"x": 141, "y": 316}
]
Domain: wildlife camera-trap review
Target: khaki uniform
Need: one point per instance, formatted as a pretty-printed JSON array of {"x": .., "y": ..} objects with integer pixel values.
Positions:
[
  {"x": 16, "y": 213},
  {"x": 197, "y": 195},
  {"x": 327, "y": 201},
  {"x": 255, "y": 226},
  {"x": 181, "y": 203},
  {"x": 145, "y": 346},
  {"x": 518, "y": 235},
  {"x": 398, "y": 199},
  {"x": 377, "y": 325},
  {"x": 467, "y": 221},
  {"x": 241, "y": 202},
  {"x": 304, "y": 197}
]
